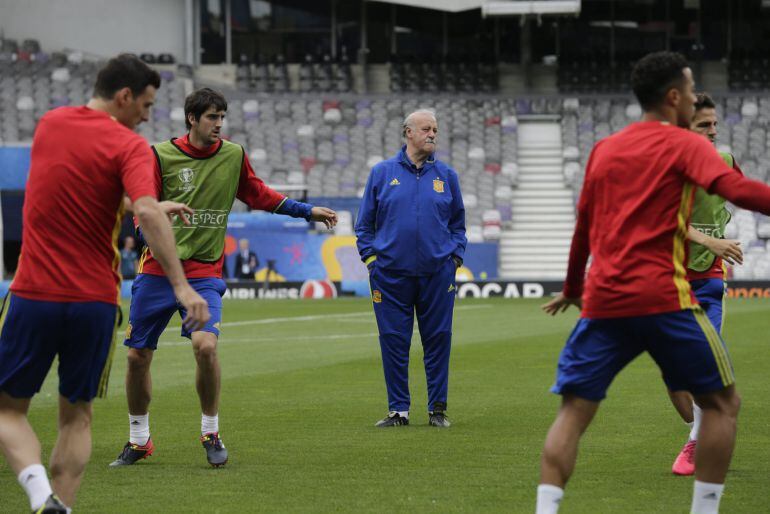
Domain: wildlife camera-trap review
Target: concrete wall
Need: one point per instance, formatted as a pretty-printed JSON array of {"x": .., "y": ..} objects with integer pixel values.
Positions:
[{"x": 101, "y": 27}]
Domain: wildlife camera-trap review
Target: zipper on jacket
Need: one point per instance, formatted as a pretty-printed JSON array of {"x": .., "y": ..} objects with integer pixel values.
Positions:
[{"x": 417, "y": 246}]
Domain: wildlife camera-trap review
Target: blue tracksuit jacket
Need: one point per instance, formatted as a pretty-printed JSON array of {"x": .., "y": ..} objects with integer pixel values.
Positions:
[{"x": 411, "y": 220}]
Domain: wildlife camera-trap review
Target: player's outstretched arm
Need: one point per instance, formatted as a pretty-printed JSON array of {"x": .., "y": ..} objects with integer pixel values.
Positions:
[
  {"x": 325, "y": 215},
  {"x": 560, "y": 303},
  {"x": 157, "y": 232},
  {"x": 727, "y": 249}
]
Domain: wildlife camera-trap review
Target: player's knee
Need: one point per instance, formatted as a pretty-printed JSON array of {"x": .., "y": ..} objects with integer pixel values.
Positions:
[
  {"x": 727, "y": 402},
  {"x": 206, "y": 351},
  {"x": 75, "y": 417},
  {"x": 139, "y": 359},
  {"x": 734, "y": 404}
]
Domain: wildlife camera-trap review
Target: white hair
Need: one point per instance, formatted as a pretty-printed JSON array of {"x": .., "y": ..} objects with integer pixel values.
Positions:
[{"x": 409, "y": 120}]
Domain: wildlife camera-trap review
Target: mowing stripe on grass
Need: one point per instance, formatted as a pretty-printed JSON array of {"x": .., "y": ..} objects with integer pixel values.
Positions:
[{"x": 316, "y": 317}]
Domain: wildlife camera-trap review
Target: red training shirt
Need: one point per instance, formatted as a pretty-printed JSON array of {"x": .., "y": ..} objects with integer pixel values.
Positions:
[
  {"x": 633, "y": 214},
  {"x": 82, "y": 162},
  {"x": 251, "y": 190}
]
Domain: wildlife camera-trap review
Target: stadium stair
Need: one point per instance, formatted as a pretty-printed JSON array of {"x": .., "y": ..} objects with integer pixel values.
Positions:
[{"x": 537, "y": 244}]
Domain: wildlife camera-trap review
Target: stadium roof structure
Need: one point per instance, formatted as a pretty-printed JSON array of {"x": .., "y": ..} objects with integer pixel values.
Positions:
[
  {"x": 440, "y": 5},
  {"x": 497, "y": 7}
]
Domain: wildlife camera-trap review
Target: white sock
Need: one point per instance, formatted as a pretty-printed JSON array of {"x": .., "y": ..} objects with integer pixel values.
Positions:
[
  {"x": 209, "y": 424},
  {"x": 139, "y": 429},
  {"x": 697, "y": 415},
  {"x": 35, "y": 482},
  {"x": 403, "y": 413},
  {"x": 548, "y": 499},
  {"x": 705, "y": 498}
]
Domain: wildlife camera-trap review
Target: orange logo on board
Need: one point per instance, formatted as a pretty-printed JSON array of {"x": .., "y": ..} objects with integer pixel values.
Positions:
[
  {"x": 376, "y": 296},
  {"x": 438, "y": 186}
]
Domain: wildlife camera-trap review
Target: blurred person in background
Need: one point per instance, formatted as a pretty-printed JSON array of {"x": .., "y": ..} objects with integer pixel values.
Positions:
[
  {"x": 128, "y": 258},
  {"x": 246, "y": 262}
]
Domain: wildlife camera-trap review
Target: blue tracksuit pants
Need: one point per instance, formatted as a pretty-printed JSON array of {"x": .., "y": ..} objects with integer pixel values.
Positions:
[{"x": 396, "y": 298}]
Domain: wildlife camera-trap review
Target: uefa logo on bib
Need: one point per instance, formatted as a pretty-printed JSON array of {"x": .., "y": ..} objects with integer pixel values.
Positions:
[{"x": 186, "y": 177}]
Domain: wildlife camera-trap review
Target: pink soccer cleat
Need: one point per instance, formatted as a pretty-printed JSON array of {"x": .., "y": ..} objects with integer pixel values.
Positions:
[{"x": 684, "y": 464}]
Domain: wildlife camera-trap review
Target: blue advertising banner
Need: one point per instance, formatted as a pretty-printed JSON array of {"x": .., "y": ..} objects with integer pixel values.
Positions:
[
  {"x": 14, "y": 166},
  {"x": 299, "y": 255}
]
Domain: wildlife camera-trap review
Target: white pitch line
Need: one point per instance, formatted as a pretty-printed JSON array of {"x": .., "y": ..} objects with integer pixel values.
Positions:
[
  {"x": 316, "y": 317},
  {"x": 280, "y": 339}
]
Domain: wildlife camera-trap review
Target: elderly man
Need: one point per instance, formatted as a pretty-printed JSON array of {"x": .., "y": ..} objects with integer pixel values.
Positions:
[{"x": 411, "y": 235}]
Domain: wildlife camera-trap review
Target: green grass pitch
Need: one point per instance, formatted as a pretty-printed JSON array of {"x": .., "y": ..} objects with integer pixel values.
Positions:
[{"x": 302, "y": 387}]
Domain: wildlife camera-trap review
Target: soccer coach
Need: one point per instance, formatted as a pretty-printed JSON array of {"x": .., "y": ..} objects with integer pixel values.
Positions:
[{"x": 411, "y": 235}]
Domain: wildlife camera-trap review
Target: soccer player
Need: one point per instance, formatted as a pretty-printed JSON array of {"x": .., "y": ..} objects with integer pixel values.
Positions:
[
  {"x": 64, "y": 299},
  {"x": 208, "y": 173},
  {"x": 705, "y": 269},
  {"x": 632, "y": 218}
]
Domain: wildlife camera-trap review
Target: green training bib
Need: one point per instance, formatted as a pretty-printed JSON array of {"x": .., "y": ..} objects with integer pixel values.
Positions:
[
  {"x": 208, "y": 185},
  {"x": 709, "y": 216}
]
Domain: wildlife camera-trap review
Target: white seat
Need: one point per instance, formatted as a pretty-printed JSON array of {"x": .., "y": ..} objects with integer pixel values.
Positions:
[
  {"x": 333, "y": 115},
  {"x": 305, "y": 131},
  {"x": 475, "y": 234},
  {"x": 258, "y": 155},
  {"x": 25, "y": 103},
  {"x": 571, "y": 152},
  {"x": 374, "y": 160},
  {"x": 491, "y": 217},
  {"x": 503, "y": 193},
  {"x": 476, "y": 153},
  {"x": 60, "y": 75},
  {"x": 749, "y": 109},
  {"x": 491, "y": 232}
]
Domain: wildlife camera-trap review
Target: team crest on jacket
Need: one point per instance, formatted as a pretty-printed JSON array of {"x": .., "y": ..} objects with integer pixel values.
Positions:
[
  {"x": 376, "y": 296},
  {"x": 395, "y": 182},
  {"x": 438, "y": 186}
]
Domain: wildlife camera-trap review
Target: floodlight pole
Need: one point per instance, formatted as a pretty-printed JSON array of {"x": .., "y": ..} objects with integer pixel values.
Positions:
[
  {"x": 334, "y": 30},
  {"x": 363, "y": 48},
  {"x": 612, "y": 33},
  {"x": 393, "y": 34},
  {"x": 189, "y": 33},
  {"x": 228, "y": 31},
  {"x": 444, "y": 35}
]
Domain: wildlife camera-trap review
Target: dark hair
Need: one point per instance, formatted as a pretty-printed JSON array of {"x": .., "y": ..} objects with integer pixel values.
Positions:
[
  {"x": 125, "y": 70},
  {"x": 704, "y": 101},
  {"x": 199, "y": 101},
  {"x": 654, "y": 75}
]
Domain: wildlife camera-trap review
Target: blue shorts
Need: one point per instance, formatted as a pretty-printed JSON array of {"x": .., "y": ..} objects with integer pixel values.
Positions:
[
  {"x": 153, "y": 304},
  {"x": 688, "y": 350},
  {"x": 710, "y": 293},
  {"x": 82, "y": 334}
]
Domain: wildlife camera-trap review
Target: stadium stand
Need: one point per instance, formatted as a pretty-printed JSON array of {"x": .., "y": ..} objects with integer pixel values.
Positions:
[{"x": 326, "y": 138}]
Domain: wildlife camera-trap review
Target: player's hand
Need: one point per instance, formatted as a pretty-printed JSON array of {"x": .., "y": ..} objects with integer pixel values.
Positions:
[
  {"x": 172, "y": 208},
  {"x": 325, "y": 215},
  {"x": 728, "y": 249},
  {"x": 197, "y": 308},
  {"x": 561, "y": 303}
]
